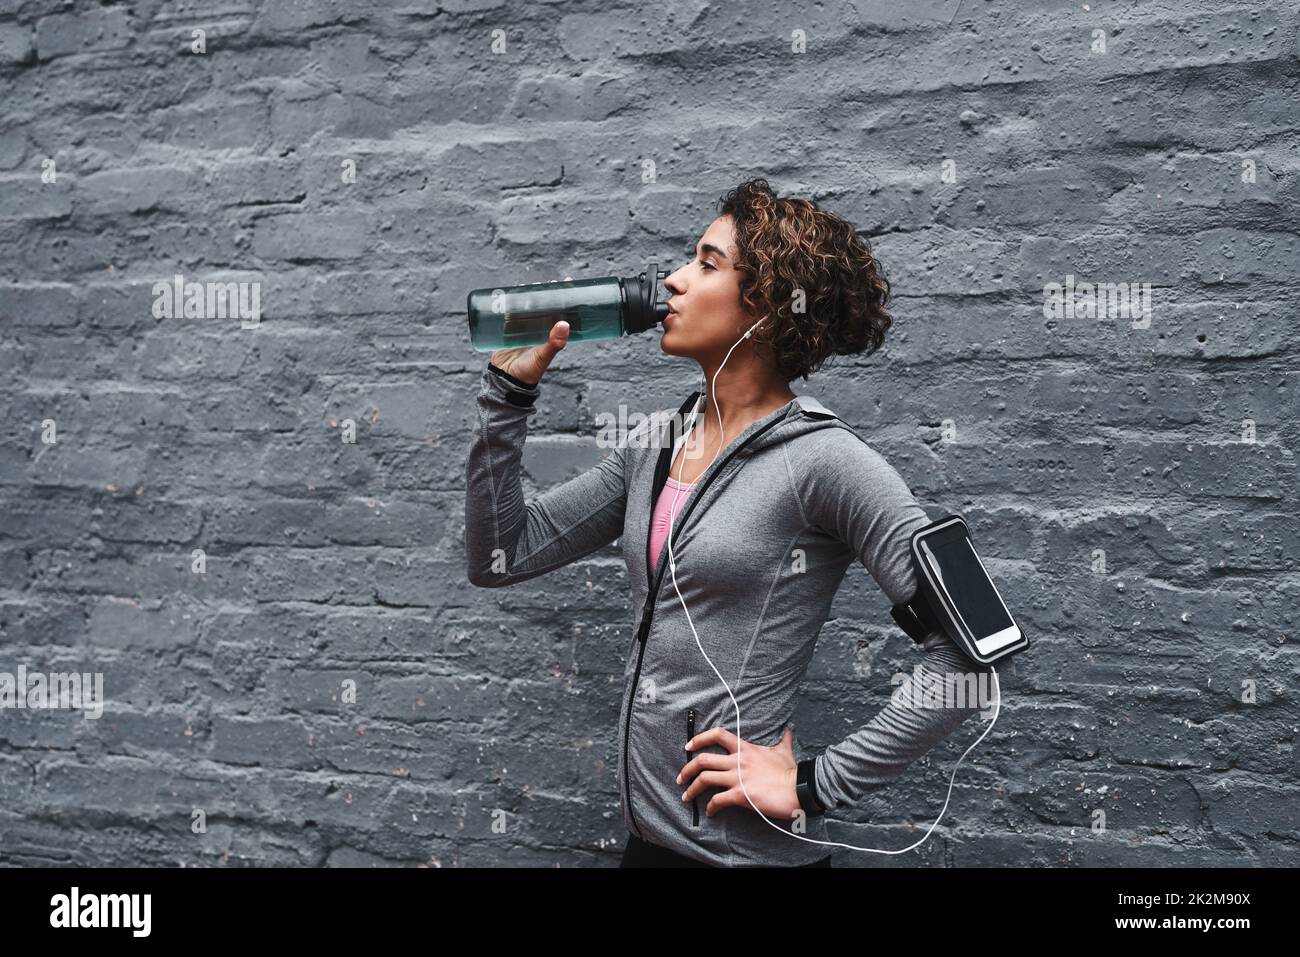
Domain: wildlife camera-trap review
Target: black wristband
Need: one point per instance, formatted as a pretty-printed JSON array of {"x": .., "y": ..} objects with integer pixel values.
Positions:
[
  {"x": 806, "y": 788},
  {"x": 506, "y": 375},
  {"x": 513, "y": 395}
]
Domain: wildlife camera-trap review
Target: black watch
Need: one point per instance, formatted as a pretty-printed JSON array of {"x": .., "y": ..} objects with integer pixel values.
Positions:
[{"x": 806, "y": 787}]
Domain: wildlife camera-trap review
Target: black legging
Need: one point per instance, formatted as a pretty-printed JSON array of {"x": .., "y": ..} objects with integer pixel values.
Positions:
[{"x": 640, "y": 854}]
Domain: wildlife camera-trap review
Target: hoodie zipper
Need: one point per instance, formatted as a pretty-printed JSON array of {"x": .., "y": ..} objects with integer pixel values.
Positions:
[{"x": 647, "y": 612}]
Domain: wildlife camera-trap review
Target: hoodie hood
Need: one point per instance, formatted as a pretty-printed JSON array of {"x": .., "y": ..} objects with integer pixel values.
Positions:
[{"x": 800, "y": 416}]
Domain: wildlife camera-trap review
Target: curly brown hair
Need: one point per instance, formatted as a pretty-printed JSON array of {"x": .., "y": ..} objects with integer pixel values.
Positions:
[{"x": 790, "y": 244}]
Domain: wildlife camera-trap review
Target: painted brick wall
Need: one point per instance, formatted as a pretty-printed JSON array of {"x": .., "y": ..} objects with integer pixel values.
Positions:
[{"x": 1131, "y": 482}]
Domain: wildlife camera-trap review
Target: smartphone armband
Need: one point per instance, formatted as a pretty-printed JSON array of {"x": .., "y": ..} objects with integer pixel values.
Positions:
[{"x": 956, "y": 595}]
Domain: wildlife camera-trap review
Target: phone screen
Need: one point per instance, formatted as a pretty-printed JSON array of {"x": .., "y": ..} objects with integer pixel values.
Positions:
[{"x": 967, "y": 583}]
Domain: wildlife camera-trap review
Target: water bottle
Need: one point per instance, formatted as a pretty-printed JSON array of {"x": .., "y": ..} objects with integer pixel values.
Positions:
[{"x": 603, "y": 308}]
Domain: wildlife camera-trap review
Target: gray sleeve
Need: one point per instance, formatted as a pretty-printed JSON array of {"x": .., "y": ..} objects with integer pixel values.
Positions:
[
  {"x": 853, "y": 493},
  {"x": 509, "y": 540},
  {"x": 945, "y": 689}
]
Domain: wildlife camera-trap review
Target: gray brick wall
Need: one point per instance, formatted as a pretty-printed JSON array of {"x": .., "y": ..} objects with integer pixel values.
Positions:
[{"x": 1144, "y": 535}]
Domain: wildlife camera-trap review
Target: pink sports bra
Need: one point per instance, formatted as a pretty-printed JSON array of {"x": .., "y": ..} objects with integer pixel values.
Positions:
[{"x": 663, "y": 508}]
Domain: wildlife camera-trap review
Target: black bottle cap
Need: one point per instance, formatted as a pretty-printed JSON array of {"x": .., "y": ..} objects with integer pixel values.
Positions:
[{"x": 644, "y": 310}]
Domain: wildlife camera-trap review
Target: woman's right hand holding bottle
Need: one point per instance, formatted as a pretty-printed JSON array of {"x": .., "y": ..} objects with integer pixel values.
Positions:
[{"x": 530, "y": 363}]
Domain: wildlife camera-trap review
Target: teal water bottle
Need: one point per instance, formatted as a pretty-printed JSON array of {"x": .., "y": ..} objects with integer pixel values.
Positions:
[{"x": 512, "y": 317}]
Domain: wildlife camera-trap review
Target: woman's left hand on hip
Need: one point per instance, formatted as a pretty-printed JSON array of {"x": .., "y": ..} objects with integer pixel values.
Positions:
[{"x": 769, "y": 773}]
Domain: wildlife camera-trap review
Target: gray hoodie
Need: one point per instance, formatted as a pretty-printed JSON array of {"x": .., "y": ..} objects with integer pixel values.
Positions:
[{"x": 761, "y": 546}]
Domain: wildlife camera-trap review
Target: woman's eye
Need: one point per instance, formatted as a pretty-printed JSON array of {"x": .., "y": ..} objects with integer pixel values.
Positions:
[{"x": 708, "y": 266}]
